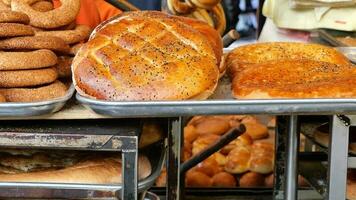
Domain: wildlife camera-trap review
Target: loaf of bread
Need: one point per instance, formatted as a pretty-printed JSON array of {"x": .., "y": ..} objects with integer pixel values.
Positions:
[
  {"x": 148, "y": 56},
  {"x": 65, "y": 167},
  {"x": 245, "y": 56}
]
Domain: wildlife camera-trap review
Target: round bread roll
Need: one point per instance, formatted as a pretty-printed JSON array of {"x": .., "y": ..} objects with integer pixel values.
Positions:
[
  {"x": 35, "y": 43},
  {"x": 61, "y": 16},
  {"x": 262, "y": 158},
  {"x": 252, "y": 179},
  {"x": 237, "y": 161},
  {"x": 13, "y": 30},
  {"x": 212, "y": 125},
  {"x": 43, "y": 93},
  {"x": 244, "y": 140},
  {"x": 169, "y": 60},
  {"x": 190, "y": 133},
  {"x": 187, "y": 151},
  {"x": 27, "y": 60},
  {"x": 209, "y": 167},
  {"x": 223, "y": 179},
  {"x": 256, "y": 130},
  {"x": 197, "y": 179},
  {"x": 27, "y": 78},
  {"x": 203, "y": 141},
  {"x": 13, "y": 17}
]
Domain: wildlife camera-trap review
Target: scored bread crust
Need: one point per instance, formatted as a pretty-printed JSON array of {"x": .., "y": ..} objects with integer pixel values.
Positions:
[
  {"x": 295, "y": 79},
  {"x": 245, "y": 56},
  {"x": 146, "y": 56}
]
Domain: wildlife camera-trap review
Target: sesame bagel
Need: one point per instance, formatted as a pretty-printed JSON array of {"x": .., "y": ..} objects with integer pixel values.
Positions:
[
  {"x": 34, "y": 43},
  {"x": 8, "y": 16},
  {"x": 43, "y": 93},
  {"x": 27, "y": 60},
  {"x": 26, "y": 78},
  {"x": 13, "y": 30}
]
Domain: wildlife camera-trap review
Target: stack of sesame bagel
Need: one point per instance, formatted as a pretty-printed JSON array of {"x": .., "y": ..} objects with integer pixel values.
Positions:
[{"x": 37, "y": 43}]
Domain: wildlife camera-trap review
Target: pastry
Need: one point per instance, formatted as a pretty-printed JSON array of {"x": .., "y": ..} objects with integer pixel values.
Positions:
[{"x": 160, "y": 58}]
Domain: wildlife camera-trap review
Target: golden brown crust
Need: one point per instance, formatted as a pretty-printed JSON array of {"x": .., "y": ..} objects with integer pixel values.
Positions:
[
  {"x": 295, "y": 79},
  {"x": 4, "y": 7},
  {"x": 61, "y": 16},
  {"x": 79, "y": 34},
  {"x": 2, "y": 98},
  {"x": 13, "y": 17},
  {"x": 13, "y": 30},
  {"x": 91, "y": 170},
  {"x": 160, "y": 58},
  {"x": 27, "y": 60},
  {"x": 252, "y": 179},
  {"x": 42, "y": 6},
  {"x": 27, "y": 78},
  {"x": 43, "y": 93},
  {"x": 35, "y": 43},
  {"x": 64, "y": 66},
  {"x": 245, "y": 56}
]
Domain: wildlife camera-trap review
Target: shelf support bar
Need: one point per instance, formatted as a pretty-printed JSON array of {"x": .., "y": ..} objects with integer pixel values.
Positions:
[{"x": 338, "y": 155}]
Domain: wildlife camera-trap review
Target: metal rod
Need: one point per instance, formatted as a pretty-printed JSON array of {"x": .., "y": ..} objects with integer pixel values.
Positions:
[
  {"x": 71, "y": 186},
  {"x": 230, "y": 37},
  {"x": 129, "y": 174},
  {"x": 224, "y": 140},
  {"x": 291, "y": 182},
  {"x": 174, "y": 179},
  {"x": 338, "y": 154}
]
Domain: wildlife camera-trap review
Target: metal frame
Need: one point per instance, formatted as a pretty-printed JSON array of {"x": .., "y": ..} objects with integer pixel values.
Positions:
[{"x": 128, "y": 145}]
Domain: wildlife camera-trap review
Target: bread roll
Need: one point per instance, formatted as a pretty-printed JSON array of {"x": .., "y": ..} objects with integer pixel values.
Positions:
[
  {"x": 197, "y": 179},
  {"x": 203, "y": 141},
  {"x": 252, "y": 179},
  {"x": 262, "y": 158},
  {"x": 146, "y": 56},
  {"x": 257, "y": 130},
  {"x": 190, "y": 133},
  {"x": 237, "y": 161},
  {"x": 212, "y": 125},
  {"x": 209, "y": 167},
  {"x": 224, "y": 179}
]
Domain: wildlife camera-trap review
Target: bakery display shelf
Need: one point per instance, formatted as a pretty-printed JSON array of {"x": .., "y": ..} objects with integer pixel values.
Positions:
[
  {"x": 109, "y": 135},
  {"x": 315, "y": 173},
  {"x": 220, "y": 103},
  {"x": 307, "y": 129},
  {"x": 10, "y": 109},
  {"x": 155, "y": 153}
]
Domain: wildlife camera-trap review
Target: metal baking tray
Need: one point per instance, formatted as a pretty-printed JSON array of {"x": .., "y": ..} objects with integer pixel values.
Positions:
[
  {"x": 86, "y": 191},
  {"x": 35, "y": 108},
  {"x": 221, "y": 102},
  {"x": 330, "y": 36},
  {"x": 308, "y": 129}
]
